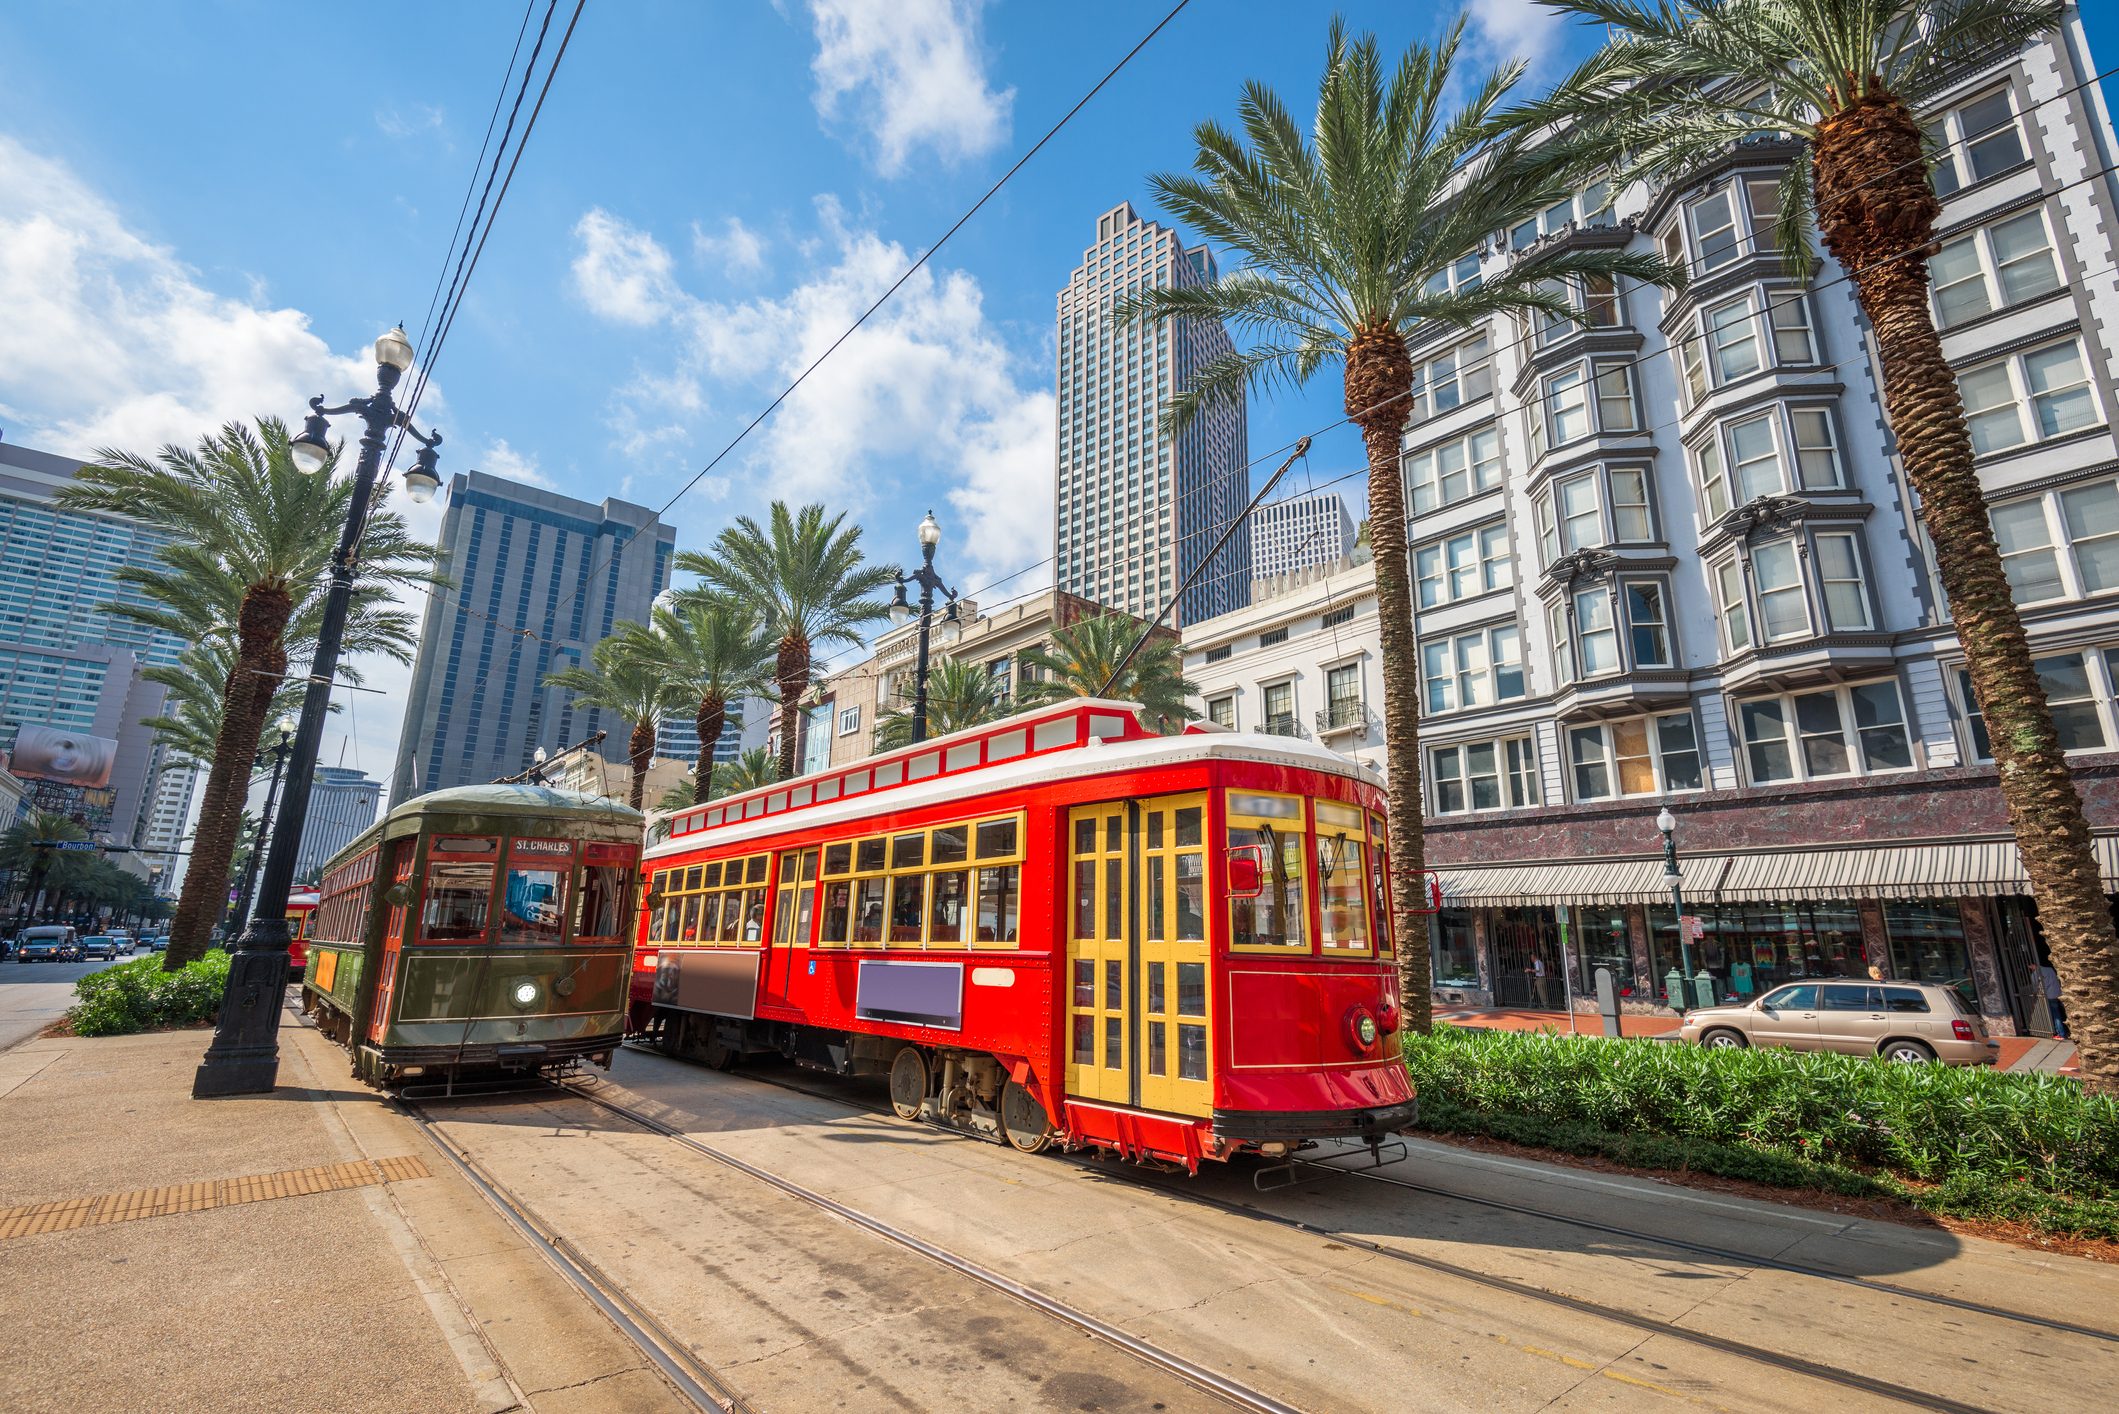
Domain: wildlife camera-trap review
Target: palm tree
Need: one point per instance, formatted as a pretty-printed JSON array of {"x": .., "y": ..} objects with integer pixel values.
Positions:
[
  {"x": 1084, "y": 655},
  {"x": 715, "y": 648},
  {"x": 755, "y": 767},
  {"x": 35, "y": 868},
  {"x": 1847, "y": 80},
  {"x": 252, "y": 540},
  {"x": 811, "y": 585},
  {"x": 960, "y": 694},
  {"x": 631, "y": 678},
  {"x": 1348, "y": 234}
]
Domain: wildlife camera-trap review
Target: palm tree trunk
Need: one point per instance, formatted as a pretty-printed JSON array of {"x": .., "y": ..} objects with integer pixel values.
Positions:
[
  {"x": 713, "y": 714},
  {"x": 640, "y": 753},
  {"x": 1877, "y": 214},
  {"x": 260, "y": 660},
  {"x": 791, "y": 673},
  {"x": 1379, "y": 373}
]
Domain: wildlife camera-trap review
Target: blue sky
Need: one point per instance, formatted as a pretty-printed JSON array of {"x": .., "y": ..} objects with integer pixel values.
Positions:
[{"x": 207, "y": 210}]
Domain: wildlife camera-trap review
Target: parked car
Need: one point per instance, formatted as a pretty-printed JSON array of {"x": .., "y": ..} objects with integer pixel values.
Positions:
[
  {"x": 1899, "y": 1021},
  {"x": 49, "y": 942},
  {"x": 99, "y": 945}
]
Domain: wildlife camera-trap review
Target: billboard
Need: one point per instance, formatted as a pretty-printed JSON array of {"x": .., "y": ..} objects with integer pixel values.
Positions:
[{"x": 53, "y": 754}]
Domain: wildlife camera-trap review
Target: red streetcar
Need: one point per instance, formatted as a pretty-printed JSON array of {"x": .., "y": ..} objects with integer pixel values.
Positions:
[
  {"x": 1057, "y": 928},
  {"x": 301, "y": 911}
]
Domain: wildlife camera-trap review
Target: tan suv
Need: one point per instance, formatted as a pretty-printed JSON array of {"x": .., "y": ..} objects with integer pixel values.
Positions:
[{"x": 1900, "y": 1021}]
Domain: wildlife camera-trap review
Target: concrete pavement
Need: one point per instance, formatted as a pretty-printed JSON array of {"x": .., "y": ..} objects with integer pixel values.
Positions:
[
  {"x": 351, "y": 1268},
  {"x": 35, "y": 994}
]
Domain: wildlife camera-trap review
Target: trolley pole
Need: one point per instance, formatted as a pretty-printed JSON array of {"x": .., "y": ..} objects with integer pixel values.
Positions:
[{"x": 244, "y": 1058}]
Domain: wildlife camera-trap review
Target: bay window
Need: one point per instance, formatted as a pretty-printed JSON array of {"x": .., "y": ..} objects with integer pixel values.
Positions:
[
  {"x": 1596, "y": 638},
  {"x": 1454, "y": 470},
  {"x": 1838, "y": 731},
  {"x": 1451, "y": 379},
  {"x": 2051, "y": 383},
  {"x": 1992, "y": 268},
  {"x": 1839, "y": 579},
  {"x": 1593, "y": 301},
  {"x": 1639, "y": 756},
  {"x": 1615, "y": 410},
  {"x": 1782, "y": 612},
  {"x": 1588, "y": 629},
  {"x": 1979, "y": 139},
  {"x": 1475, "y": 669},
  {"x": 2073, "y": 691},
  {"x": 1735, "y": 616},
  {"x": 1733, "y": 335},
  {"x": 1631, "y": 521},
  {"x": 1483, "y": 775},
  {"x": 1732, "y": 340},
  {"x": 1716, "y": 242},
  {"x": 1748, "y": 458},
  {"x": 1575, "y": 402},
  {"x": 2060, "y": 545},
  {"x": 1647, "y": 623}
]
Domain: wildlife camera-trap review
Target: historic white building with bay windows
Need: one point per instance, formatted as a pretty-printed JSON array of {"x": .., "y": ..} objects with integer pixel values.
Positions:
[{"x": 1667, "y": 554}]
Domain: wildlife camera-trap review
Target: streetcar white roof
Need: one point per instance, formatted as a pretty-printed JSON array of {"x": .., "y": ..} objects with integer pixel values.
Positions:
[{"x": 1126, "y": 747}]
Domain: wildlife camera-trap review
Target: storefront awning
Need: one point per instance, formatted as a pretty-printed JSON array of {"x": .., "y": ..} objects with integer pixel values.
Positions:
[{"x": 1955, "y": 869}]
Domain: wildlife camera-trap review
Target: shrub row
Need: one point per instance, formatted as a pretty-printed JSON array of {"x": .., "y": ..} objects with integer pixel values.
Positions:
[
  {"x": 1930, "y": 1123},
  {"x": 139, "y": 996}
]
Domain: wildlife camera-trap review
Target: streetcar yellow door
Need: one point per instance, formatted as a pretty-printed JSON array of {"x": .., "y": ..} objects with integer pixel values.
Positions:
[
  {"x": 1099, "y": 956},
  {"x": 1176, "y": 1049}
]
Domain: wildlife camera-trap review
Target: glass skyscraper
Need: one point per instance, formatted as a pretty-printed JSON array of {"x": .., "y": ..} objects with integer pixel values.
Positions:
[
  {"x": 1137, "y": 510},
  {"x": 539, "y": 579}
]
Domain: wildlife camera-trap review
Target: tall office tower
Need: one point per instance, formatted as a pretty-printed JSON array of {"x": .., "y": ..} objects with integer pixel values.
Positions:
[
  {"x": 342, "y": 803},
  {"x": 539, "y": 580},
  {"x": 1299, "y": 532},
  {"x": 677, "y": 738},
  {"x": 168, "y": 812},
  {"x": 1137, "y": 510},
  {"x": 71, "y": 692}
]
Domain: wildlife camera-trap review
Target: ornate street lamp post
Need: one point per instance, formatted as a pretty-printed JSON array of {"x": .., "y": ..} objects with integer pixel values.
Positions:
[
  {"x": 245, "y": 1055},
  {"x": 901, "y": 614},
  {"x": 1668, "y": 824},
  {"x": 257, "y": 846}
]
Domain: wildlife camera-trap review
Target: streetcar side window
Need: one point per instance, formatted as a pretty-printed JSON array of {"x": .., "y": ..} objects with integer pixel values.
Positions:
[
  {"x": 950, "y": 886},
  {"x": 1379, "y": 885},
  {"x": 1000, "y": 898},
  {"x": 1271, "y": 828},
  {"x": 1342, "y": 879},
  {"x": 720, "y": 902}
]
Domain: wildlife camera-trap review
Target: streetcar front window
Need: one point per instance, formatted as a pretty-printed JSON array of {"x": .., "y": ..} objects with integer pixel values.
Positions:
[
  {"x": 457, "y": 898},
  {"x": 534, "y": 906},
  {"x": 1342, "y": 879},
  {"x": 1269, "y": 827}
]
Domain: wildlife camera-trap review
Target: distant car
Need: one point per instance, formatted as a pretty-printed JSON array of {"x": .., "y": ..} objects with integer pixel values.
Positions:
[
  {"x": 124, "y": 940},
  {"x": 1898, "y": 1021},
  {"x": 99, "y": 945},
  {"x": 158, "y": 943},
  {"x": 53, "y": 942}
]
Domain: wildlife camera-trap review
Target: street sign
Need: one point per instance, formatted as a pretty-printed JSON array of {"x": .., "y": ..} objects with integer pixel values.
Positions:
[{"x": 67, "y": 844}]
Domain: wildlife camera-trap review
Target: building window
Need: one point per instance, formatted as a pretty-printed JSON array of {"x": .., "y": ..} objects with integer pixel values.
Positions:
[
  {"x": 1992, "y": 268},
  {"x": 1473, "y": 669},
  {"x": 1342, "y": 695},
  {"x": 2072, "y": 692},
  {"x": 1587, "y": 631},
  {"x": 1593, "y": 302},
  {"x": 1273, "y": 636},
  {"x": 1461, "y": 276},
  {"x": 2051, "y": 383},
  {"x": 1484, "y": 775},
  {"x": 1839, "y": 580},
  {"x": 1344, "y": 614},
  {"x": 1648, "y": 624},
  {"x": 1464, "y": 466},
  {"x": 1840, "y": 731},
  {"x": 1220, "y": 652},
  {"x": 1715, "y": 239},
  {"x": 1631, "y": 522},
  {"x": 1455, "y": 949},
  {"x": 2062, "y": 545},
  {"x": 1978, "y": 140},
  {"x": 1463, "y": 566},
  {"x": 1736, "y": 619},
  {"x": 1280, "y": 708},
  {"x": 1639, "y": 756},
  {"x": 1569, "y": 516},
  {"x": 849, "y": 721},
  {"x": 1221, "y": 711},
  {"x": 1782, "y": 611},
  {"x": 1748, "y": 458},
  {"x": 1452, "y": 379}
]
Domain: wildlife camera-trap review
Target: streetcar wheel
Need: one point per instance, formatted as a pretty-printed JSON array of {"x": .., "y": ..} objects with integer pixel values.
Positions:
[
  {"x": 908, "y": 1083},
  {"x": 1024, "y": 1120}
]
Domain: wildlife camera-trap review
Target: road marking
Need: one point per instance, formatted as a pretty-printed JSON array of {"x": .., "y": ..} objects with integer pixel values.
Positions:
[{"x": 65, "y": 1214}]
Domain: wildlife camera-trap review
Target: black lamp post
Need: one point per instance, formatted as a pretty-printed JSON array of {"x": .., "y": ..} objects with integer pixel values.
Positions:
[
  {"x": 901, "y": 614},
  {"x": 245, "y": 1055},
  {"x": 257, "y": 846},
  {"x": 1668, "y": 824}
]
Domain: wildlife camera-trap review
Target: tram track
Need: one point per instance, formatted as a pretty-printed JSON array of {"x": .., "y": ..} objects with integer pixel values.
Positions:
[{"x": 1833, "y": 1375}]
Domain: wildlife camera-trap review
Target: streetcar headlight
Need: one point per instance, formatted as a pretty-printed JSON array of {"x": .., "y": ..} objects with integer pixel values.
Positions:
[
  {"x": 1361, "y": 1028},
  {"x": 525, "y": 994}
]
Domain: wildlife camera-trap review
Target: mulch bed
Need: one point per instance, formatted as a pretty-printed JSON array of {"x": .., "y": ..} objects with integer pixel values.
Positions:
[{"x": 1889, "y": 1210}]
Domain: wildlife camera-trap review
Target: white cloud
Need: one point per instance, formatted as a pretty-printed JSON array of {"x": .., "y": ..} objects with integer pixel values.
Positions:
[
  {"x": 622, "y": 273},
  {"x": 409, "y": 121},
  {"x": 500, "y": 459},
  {"x": 739, "y": 250},
  {"x": 926, "y": 386},
  {"x": 110, "y": 340},
  {"x": 914, "y": 75},
  {"x": 1516, "y": 29}
]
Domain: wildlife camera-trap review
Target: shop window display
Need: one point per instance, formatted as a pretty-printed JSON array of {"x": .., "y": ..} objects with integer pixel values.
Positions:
[
  {"x": 1600, "y": 939},
  {"x": 1750, "y": 947},
  {"x": 1455, "y": 961},
  {"x": 1927, "y": 944}
]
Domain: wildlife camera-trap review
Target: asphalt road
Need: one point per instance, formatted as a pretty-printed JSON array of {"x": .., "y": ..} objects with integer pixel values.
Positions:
[{"x": 33, "y": 994}]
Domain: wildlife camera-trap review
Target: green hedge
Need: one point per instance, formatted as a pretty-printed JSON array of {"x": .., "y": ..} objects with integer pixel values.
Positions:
[
  {"x": 139, "y": 996},
  {"x": 1974, "y": 1141}
]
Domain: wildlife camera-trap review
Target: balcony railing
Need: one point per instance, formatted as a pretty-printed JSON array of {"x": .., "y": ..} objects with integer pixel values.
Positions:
[
  {"x": 1285, "y": 725},
  {"x": 1351, "y": 715}
]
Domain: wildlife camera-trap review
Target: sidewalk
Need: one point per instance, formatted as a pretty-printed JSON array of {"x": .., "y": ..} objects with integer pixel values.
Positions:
[
  {"x": 301, "y": 1250},
  {"x": 2029, "y": 1053}
]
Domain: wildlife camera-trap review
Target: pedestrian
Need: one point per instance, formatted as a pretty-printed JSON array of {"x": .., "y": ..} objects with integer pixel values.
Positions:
[
  {"x": 2049, "y": 983},
  {"x": 1539, "y": 984}
]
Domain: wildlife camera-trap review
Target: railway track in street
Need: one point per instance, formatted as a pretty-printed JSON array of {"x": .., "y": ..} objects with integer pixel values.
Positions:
[{"x": 1825, "y": 1373}]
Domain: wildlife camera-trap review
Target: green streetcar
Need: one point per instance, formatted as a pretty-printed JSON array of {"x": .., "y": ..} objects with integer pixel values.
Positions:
[{"x": 479, "y": 930}]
